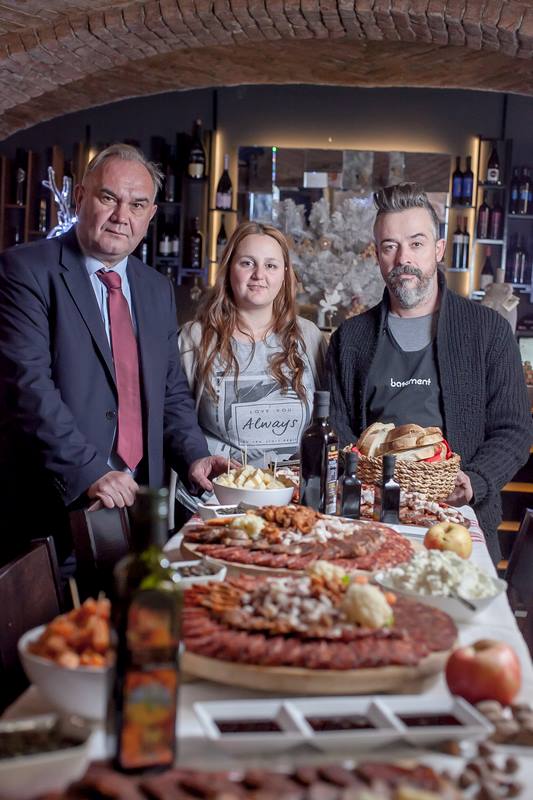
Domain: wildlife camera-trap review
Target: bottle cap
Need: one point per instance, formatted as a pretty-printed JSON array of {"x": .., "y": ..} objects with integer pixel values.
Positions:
[
  {"x": 389, "y": 462},
  {"x": 321, "y": 404}
]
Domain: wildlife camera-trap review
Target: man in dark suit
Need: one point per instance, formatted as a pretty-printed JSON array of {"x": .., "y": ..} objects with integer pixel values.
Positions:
[{"x": 81, "y": 418}]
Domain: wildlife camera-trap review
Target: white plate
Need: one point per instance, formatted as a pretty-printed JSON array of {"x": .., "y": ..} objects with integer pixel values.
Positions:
[
  {"x": 386, "y": 728},
  {"x": 291, "y": 735},
  {"x": 474, "y": 725}
]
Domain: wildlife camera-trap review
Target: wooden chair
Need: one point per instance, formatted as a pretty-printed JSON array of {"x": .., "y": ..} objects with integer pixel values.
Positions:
[
  {"x": 519, "y": 577},
  {"x": 30, "y": 595},
  {"x": 100, "y": 539}
]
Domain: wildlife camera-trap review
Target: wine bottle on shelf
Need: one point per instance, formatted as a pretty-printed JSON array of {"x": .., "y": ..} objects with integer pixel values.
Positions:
[
  {"x": 196, "y": 164},
  {"x": 496, "y": 221},
  {"x": 387, "y": 494},
  {"x": 19, "y": 177},
  {"x": 483, "y": 219},
  {"x": 487, "y": 273},
  {"x": 523, "y": 192},
  {"x": 493, "y": 166},
  {"x": 466, "y": 246},
  {"x": 42, "y": 217},
  {"x": 175, "y": 242},
  {"x": 143, "y": 253},
  {"x": 163, "y": 239},
  {"x": 222, "y": 238},
  {"x": 349, "y": 493},
  {"x": 468, "y": 183},
  {"x": 457, "y": 183},
  {"x": 147, "y": 618},
  {"x": 195, "y": 246},
  {"x": 457, "y": 246},
  {"x": 514, "y": 194},
  {"x": 224, "y": 196},
  {"x": 170, "y": 179},
  {"x": 319, "y": 455}
]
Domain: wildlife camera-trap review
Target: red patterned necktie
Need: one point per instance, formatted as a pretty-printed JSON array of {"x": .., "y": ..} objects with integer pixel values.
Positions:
[{"x": 126, "y": 360}]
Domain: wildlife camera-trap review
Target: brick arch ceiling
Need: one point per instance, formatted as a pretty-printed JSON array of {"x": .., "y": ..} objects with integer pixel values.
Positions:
[{"x": 58, "y": 56}]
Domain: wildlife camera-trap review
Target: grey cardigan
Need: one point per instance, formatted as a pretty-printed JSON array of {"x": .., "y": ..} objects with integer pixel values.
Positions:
[{"x": 487, "y": 419}]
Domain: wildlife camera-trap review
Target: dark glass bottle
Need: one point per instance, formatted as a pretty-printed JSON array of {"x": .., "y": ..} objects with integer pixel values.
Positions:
[
  {"x": 170, "y": 179},
  {"x": 222, "y": 239},
  {"x": 457, "y": 183},
  {"x": 224, "y": 194},
  {"x": 483, "y": 219},
  {"x": 523, "y": 193},
  {"x": 457, "y": 253},
  {"x": 319, "y": 455},
  {"x": 493, "y": 166},
  {"x": 514, "y": 194},
  {"x": 147, "y": 616},
  {"x": 196, "y": 164},
  {"x": 195, "y": 246},
  {"x": 19, "y": 177},
  {"x": 349, "y": 493},
  {"x": 496, "y": 221},
  {"x": 468, "y": 183},
  {"x": 387, "y": 494},
  {"x": 465, "y": 255}
]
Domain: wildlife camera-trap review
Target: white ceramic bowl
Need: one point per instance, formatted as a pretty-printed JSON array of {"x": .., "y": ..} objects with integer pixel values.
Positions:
[
  {"x": 451, "y": 605},
  {"x": 26, "y": 776},
  {"x": 233, "y": 495},
  {"x": 82, "y": 691}
]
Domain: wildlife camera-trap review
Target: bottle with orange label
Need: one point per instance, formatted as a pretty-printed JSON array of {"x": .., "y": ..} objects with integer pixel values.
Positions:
[
  {"x": 319, "y": 456},
  {"x": 147, "y": 614}
]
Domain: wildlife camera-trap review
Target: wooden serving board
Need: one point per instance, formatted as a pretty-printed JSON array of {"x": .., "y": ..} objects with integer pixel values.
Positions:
[
  {"x": 297, "y": 680},
  {"x": 234, "y": 568}
]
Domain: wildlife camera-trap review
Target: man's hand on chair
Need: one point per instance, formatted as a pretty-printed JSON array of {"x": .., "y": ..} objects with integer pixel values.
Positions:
[{"x": 114, "y": 489}]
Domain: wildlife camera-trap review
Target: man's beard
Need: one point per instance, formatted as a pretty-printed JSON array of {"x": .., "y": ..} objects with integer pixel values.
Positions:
[{"x": 410, "y": 296}]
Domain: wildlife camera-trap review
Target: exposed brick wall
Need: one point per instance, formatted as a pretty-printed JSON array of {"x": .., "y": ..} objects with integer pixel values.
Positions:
[{"x": 66, "y": 55}]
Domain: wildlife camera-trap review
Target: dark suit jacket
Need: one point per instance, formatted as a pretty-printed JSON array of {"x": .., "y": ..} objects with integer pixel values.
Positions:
[{"x": 58, "y": 397}]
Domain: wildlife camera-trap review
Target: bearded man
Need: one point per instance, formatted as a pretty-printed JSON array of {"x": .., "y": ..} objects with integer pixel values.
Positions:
[{"x": 426, "y": 355}]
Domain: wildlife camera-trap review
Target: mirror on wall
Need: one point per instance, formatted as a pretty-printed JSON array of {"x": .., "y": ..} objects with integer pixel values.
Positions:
[{"x": 322, "y": 201}]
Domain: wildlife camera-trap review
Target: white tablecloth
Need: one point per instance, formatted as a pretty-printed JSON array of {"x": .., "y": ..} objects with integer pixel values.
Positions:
[{"x": 497, "y": 622}]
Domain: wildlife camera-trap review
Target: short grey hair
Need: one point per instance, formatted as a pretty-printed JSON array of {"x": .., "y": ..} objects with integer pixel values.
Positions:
[
  {"x": 401, "y": 197},
  {"x": 127, "y": 153}
]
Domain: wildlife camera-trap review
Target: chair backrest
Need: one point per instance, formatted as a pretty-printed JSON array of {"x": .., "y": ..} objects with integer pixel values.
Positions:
[
  {"x": 30, "y": 595},
  {"x": 100, "y": 539},
  {"x": 519, "y": 574}
]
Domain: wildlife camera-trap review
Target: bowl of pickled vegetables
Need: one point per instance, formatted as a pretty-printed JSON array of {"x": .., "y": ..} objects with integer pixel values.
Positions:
[
  {"x": 68, "y": 660},
  {"x": 254, "y": 486}
]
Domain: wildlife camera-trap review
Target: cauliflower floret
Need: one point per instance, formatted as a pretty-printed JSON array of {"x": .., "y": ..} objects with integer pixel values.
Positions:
[
  {"x": 326, "y": 570},
  {"x": 250, "y": 523},
  {"x": 366, "y": 605}
]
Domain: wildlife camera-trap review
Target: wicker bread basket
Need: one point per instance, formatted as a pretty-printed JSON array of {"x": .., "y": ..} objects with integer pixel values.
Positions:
[{"x": 435, "y": 480}]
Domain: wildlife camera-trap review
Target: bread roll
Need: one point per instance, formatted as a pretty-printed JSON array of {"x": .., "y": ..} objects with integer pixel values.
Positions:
[
  {"x": 402, "y": 443},
  {"x": 372, "y": 437},
  {"x": 429, "y": 438},
  {"x": 416, "y": 453},
  {"x": 411, "y": 429}
]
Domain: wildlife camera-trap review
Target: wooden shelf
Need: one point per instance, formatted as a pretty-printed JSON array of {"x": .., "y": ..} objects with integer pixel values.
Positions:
[
  {"x": 520, "y": 488},
  {"x": 520, "y": 216},
  {"x": 489, "y": 241},
  {"x": 509, "y": 526}
]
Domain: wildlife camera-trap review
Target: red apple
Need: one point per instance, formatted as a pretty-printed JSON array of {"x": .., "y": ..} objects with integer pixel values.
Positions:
[{"x": 485, "y": 670}]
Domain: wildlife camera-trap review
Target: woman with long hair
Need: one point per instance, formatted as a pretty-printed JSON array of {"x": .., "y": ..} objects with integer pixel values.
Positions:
[{"x": 251, "y": 362}]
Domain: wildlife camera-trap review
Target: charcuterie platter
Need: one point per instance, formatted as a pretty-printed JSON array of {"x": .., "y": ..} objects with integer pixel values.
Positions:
[
  {"x": 322, "y": 632},
  {"x": 283, "y": 540}
]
